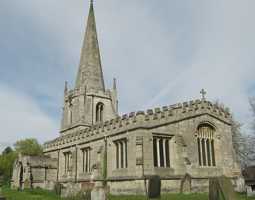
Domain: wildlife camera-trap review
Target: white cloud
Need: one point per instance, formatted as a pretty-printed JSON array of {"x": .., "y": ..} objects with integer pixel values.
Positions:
[
  {"x": 21, "y": 117},
  {"x": 223, "y": 62},
  {"x": 161, "y": 53}
]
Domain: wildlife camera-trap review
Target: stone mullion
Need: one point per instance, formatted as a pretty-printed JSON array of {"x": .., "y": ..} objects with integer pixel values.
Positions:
[
  {"x": 88, "y": 157},
  {"x": 164, "y": 152},
  {"x": 65, "y": 162},
  {"x": 86, "y": 167},
  {"x": 158, "y": 151},
  {"x": 124, "y": 154},
  {"x": 199, "y": 151},
  {"x": 200, "y": 135},
  {"x": 205, "y": 146},
  {"x": 119, "y": 146},
  {"x": 210, "y": 148},
  {"x": 83, "y": 160},
  {"x": 117, "y": 155}
]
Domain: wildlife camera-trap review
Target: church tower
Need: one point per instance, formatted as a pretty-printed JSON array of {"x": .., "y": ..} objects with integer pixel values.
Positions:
[{"x": 89, "y": 103}]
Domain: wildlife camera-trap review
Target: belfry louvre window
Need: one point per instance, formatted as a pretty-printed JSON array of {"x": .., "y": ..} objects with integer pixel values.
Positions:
[
  {"x": 161, "y": 152},
  {"x": 86, "y": 160},
  {"x": 121, "y": 153},
  {"x": 99, "y": 112},
  {"x": 68, "y": 160},
  {"x": 205, "y": 143}
]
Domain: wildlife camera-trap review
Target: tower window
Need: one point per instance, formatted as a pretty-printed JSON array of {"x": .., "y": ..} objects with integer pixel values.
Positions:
[
  {"x": 161, "y": 152},
  {"x": 205, "y": 143},
  {"x": 99, "y": 112}
]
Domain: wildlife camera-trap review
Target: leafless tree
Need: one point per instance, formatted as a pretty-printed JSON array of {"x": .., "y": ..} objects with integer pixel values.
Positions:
[{"x": 252, "y": 103}]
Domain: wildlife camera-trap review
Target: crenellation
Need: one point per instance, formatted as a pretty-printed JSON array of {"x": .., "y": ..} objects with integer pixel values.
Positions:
[
  {"x": 157, "y": 110},
  {"x": 150, "y": 112},
  {"x": 132, "y": 114},
  {"x": 140, "y": 113},
  {"x": 180, "y": 110},
  {"x": 124, "y": 116},
  {"x": 185, "y": 104}
]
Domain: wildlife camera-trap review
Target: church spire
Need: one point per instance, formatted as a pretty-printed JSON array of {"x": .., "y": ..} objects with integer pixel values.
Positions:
[{"x": 90, "y": 72}]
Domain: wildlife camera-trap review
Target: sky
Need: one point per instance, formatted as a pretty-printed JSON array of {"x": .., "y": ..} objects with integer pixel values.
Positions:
[{"x": 161, "y": 52}]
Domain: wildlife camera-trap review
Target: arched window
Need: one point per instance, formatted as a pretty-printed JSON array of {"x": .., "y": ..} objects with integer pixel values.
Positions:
[
  {"x": 205, "y": 143},
  {"x": 99, "y": 112}
]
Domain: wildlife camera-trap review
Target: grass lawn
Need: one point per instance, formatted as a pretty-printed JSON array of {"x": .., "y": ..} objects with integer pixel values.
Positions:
[{"x": 39, "y": 194}]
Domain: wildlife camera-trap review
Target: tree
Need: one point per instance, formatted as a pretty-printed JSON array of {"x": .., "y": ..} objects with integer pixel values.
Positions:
[
  {"x": 252, "y": 104},
  {"x": 239, "y": 143},
  {"x": 7, "y": 150},
  {"x": 29, "y": 147},
  {"x": 6, "y": 163}
]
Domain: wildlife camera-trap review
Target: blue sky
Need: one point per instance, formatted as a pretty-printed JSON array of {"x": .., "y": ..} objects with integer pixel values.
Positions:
[{"x": 161, "y": 52}]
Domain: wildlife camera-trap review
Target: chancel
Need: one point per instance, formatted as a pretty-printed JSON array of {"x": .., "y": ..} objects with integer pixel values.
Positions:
[{"x": 190, "y": 139}]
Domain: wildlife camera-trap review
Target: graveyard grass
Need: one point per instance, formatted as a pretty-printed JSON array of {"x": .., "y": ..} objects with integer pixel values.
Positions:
[{"x": 39, "y": 194}]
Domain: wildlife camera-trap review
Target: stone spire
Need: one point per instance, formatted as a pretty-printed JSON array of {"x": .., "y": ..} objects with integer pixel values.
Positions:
[{"x": 90, "y": 72}]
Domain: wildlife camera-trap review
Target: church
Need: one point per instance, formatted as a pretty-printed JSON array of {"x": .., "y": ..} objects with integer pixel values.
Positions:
[{"x": 190, "y": 139}]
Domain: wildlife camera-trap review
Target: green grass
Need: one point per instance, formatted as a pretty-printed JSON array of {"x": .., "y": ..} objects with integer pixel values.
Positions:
[
  {"x": 174, "y": 197},
  {"x": 36, "y": 194},
  {"x": 39, "y": 194},
  {"x": 165, "y": 197}
]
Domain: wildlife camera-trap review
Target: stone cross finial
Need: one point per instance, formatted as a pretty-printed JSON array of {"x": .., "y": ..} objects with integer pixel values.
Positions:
[{"x": 203, "y": 93}]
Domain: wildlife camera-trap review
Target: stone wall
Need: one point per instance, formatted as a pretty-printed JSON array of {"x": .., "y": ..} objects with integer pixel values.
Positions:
[
  {"x": 34, "y": 171},
  {"x": 178, "y": 122}
]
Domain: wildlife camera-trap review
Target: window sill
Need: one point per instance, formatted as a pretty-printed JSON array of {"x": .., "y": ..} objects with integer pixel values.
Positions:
[
  {"x": 120, "y": 170},
  {"x": 85, "y": 173},
  {"x": 162, "y": 168},
  {"x": 206, "y": 167}
]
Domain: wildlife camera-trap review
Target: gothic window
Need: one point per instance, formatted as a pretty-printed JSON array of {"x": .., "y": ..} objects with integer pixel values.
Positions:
[
  {"x": 86, "y": 160},
  {"x": 68, "y": 158},
  {"x": 205, "y": 143},
  {"x": 161, "y": 152},
  {"x": 99, "y": 112},
  {"x": 121, "y": 153}
]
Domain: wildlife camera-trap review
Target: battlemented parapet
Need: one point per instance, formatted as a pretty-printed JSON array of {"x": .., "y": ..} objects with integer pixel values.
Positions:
[{"x": 141, "y": 119}]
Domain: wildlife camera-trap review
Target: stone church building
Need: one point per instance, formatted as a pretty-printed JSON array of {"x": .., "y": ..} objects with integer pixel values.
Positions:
[{"x": 193, "y": 138}]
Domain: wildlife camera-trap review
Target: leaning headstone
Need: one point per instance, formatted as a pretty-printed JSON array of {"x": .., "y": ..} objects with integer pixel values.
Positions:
[
  {"x": 221, "y": 189},
  {"x": 186, "y": 184},
  {"x": 1, "y": 184}
]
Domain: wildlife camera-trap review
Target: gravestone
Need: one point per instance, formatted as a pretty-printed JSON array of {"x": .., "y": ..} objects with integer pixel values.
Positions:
[
  {"x": 98, "y": 192},
  {"x": 1, "y": 184},
  {"x": 221, "y": 189},
  {"x": 186, "y": 184},
  {"x": 154, "y": 188}
]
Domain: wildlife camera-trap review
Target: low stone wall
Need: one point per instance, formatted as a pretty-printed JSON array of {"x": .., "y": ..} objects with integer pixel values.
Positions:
[{"x": 137, "y": 187}]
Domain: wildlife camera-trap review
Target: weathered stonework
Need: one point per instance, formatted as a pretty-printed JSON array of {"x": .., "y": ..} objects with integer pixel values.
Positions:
[
  {"x": 98, "y": 145},
  {"x": 34, "y": 171}
]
